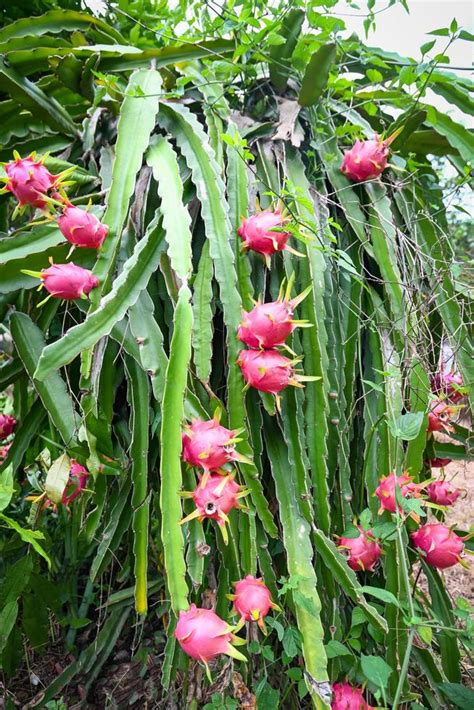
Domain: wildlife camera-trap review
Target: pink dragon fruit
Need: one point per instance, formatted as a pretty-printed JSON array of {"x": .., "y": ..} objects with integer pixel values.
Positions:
[
  {"x": 269, "y": 324},
  {"x": 439, "y": 463},
  {"x": 258, "y": 233},
  {"x": 4, "y": 452},
  {"x": 209, "y": 445},
  {"x": 439, "y": 417},
  {"x": 29, "y": 180},
  {"x": 385, "y": 491},
  {"x": 365, "y": 160},
  {"x": 203, "y": 635},
  {"x": 441, "y": 546},
  {"x": 215, "y": 499},
  {"x": 67, "y": 281},
  {"x": 82, "y": 228},
  {"x": 363, "y": 550},
  {"x": 7, "y": 425},
  {"x": 442, "y": 493},
  {"x": 449, "y": 384},
  {"x": 252, "y": 600},
  {"x": 345, "y": 697},
  {"x": 267, "y": 370}
]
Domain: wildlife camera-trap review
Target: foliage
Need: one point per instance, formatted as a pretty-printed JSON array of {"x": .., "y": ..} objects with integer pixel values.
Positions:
[{"x": 172, "y": 142}]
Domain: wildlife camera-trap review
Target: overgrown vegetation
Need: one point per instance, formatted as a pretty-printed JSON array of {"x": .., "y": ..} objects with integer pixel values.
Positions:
[{"x": 170, "y": 143}]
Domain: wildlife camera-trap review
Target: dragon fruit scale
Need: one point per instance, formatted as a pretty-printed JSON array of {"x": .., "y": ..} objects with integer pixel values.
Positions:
[
  {"x": 363, "y": 551},
  {"x": 366, "y": 160},
  {"x": 439, "y": 545},
  {"x": 203, "y": 635}
]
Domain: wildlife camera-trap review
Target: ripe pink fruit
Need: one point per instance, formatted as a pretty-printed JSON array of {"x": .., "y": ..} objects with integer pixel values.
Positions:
[
  {"x": 442, "y": 547},
  {"x": 29, "y": 181},
  {"x": 257, "y": 233},
  {"x": 214, "y": 499},
  {"x": 365, "y": 160},
  {"x": 4, "y": 452},
  {"x": 7, "y": 425},
  {"x": 385, "y": 491},
  {"x": 267, "y": 325},
  {"x": 209, "y": 445},
  {"x": 203, "y": 635},
  {"x": 443, "y": 493},
  {"x": 440, "y": 416},
  {"x": 82, "y": 228},
  {"x": 68, "y": 281},
  {"x": 345, "y": 697},
  {"x": 439, "y": 463},
  {"x": 266, "y": 370},
  {"x": 449, "y": 384},
  {"x": 364, "y": 550},
  {"x": 252, "y": 600}
]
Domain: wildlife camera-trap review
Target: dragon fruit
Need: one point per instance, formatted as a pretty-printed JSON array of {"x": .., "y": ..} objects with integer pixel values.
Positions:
[
  {"x": 366, "y": 159},
  {"x": 209, "y": 445},
  {"x": 345, "y": 697},
  {"x": 29, "y": 180},
  {"x": 442, "y": 493},
  {"x": 252, "y": 600},
  {"x": 203, "y": 635},
  {"x": 78, "y": 476},
  {"x": 82, "y": 228},
  {"x": 269, "y": 324},
  {"x": 4, "y": 452},
  {"x": 258, "y": 233},
  {"x": 385, "y": 491},
  {"x": 449, "y": 384},
  {"x": 267, "y": 370},
  {"x": 215, "y": 499},
  {"x": 363, "y": 550},
  {"x": 67, "y": 281},
  {"x": 439, "y": 417},
  {"x": 439, "y": 463},
  {"x": 7, "y": 425},
  {"x": 441, "y": 546}
]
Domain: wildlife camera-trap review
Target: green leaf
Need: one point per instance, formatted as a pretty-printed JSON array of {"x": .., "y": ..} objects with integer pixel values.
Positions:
[
  {"x": 202, "y": 315},
  {"x": 176, "y": 219},
  {"x": 31, "y": 537},
  {"x": 31, "y": 97},
  {"x": 38, "y": 239},
  {"x": 170, "y": 459},
  {"x": 407, "y": 426},
  {"x": 335, "y": 649},
  {"x": 29, "y": 342},
  {"x": 281, "y": 54},
  {"x": 376, "y": 670},
  {"x": 57, "y": 21},
  {"x": 126, "y": 289},
  {"x": 382, "y": 594},
  {"x": 316, "y": 75},
  {"x": 458, "y": 136},
  {"x": 6, "y": 487},
  {"x": 460, "y": 695},
  {"x": 8, "y": 617},
  {"x": 57, "y": 478}
]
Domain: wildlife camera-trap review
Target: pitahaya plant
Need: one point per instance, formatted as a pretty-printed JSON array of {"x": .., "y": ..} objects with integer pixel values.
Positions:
[
  {"x": 252, "y": 600},
  {"x": 268, "y": 325},
  {"x": 346, "y": 697},
  {"x": 263, "y": 233},
  {"x": 82, "y": 228},
  {"x": 7, "y": 425},
  {"x": 363, "y": 550},
  {"x": 67, "y": 281},
  {"x": 385, "y": 491},
  {"x": 366, "y": 160},
  {"x": 203, "y": 635},
  {"x": 215, "y": 499},
  {"x": 439, "y": 545},
  {"x": 442, "y": 493}
]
